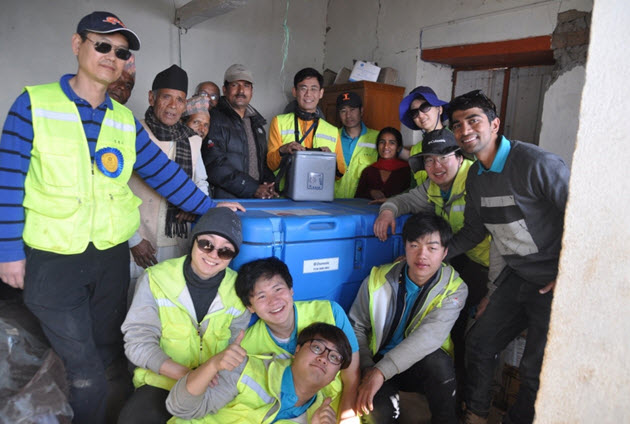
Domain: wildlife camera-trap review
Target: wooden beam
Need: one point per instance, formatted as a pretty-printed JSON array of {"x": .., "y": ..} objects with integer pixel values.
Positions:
[
  {"x": 198, "y": 11},
  {"x": 509, "y": 53}
]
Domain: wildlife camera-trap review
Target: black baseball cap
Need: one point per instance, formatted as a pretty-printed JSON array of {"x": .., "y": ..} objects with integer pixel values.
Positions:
[
  {"x": 438, "y": 142},
  {"x": 349, "y": 98},
  {"x": 107, "y": 23}
]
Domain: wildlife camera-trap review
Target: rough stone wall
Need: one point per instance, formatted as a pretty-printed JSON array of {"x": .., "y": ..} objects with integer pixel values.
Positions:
[{"x": 569, "y": 41}]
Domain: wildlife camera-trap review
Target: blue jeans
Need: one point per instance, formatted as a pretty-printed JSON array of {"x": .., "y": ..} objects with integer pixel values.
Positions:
[{"x": 516, "y": 305}]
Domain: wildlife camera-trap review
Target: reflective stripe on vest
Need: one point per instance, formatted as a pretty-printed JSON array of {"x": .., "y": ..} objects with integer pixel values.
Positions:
[
  {"x": 258, "y": 398},
  {"x": 365, "y": 154},
  {"x": 258, "y": 341},
  {"x": 325, "y": 136},
  {"x": 68, "y": 200},
  {"x": 453, "y": 211},
  {"x": 180, "y": 338},
  {"x": 381, "y": 293}
]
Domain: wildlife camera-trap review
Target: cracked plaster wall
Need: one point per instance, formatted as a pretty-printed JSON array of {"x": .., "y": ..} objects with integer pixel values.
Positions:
[
  {"x": 252, "y": 35},
  {"x": 395, "y": 38}
]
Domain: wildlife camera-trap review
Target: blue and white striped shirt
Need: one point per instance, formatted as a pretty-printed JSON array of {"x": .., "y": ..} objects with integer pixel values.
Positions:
[{"x": 152, "y": 165}]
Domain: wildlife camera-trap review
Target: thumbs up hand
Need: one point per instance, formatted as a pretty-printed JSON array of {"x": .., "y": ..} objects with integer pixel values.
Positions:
[
  {"x": 324, "y": 414},
  {"x": 232, "y": 356}
]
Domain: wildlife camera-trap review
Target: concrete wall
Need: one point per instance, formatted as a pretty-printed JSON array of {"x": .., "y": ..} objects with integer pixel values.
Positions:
[
  {"x": 586, "y": 377},
  {"x": 253, "y": 35}
]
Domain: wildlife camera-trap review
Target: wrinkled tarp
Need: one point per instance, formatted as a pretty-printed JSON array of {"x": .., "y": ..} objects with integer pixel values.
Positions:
[{"x": 33, "y": 387}]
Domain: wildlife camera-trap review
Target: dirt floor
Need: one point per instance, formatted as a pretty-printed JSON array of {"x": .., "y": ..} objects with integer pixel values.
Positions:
[{"x": 415, "y": 410}]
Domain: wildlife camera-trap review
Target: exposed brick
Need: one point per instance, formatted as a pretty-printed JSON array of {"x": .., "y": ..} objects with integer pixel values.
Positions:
[
  {"x": 571, "y": 15},
  {"x": 577, "y": 38}
]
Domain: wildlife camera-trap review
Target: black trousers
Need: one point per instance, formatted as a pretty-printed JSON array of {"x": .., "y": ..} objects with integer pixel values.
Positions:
[
  {"x": 146, "y": 406},
  {"x": 514, "y": 306},
  {"x": 433, "y": 376},
  {"x": 80, "y": 302},
  {"x": 476, "y": 278}
]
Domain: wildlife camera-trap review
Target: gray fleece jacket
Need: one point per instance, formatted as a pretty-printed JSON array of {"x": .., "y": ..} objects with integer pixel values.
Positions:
[
  {"x": 427, "y": 337},
  {"x": 142, "y": 328}
]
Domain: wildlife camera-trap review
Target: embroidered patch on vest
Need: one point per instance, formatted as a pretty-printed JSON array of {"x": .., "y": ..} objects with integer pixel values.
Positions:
[{"x": 109, "y": 161}]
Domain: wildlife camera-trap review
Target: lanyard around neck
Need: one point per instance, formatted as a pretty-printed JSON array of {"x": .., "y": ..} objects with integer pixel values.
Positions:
[{"x": 313, "y": 128}]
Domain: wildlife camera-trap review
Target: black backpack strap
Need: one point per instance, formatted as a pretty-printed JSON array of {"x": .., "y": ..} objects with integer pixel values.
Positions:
[{"x": 285, "y": 164}]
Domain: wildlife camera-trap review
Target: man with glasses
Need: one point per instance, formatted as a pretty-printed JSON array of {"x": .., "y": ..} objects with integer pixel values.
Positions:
[
  {"x": 184, "y": 311},
  {"x": 402, "y": 316},
  {"x": 517, "y": 192},
  {"x": 236, "y": 150},
  {"x": 443, "y": 193},
  {"x": 304, "y": 129},
  {"x": 66, "y": 154},
  {"x": 265, "y": 388},
  {"x": 211, "y": 91},
  {"x": 265, "y": 287}
]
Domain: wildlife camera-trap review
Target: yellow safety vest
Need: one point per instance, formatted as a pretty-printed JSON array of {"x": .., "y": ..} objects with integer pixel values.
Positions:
[
  {"x": 257, "y": 339},
  {"x": 453, "y": 211},
  {"x": 365, "y": 154},
  {"x": 68, "y": 200},
  {"x": 420, "y": 176},
  {"x": 258, "y": 398},
  {"x": 325, "y": 136},
  {"x": 380, "y": 294},
  {"x": 181, "y": 336}
]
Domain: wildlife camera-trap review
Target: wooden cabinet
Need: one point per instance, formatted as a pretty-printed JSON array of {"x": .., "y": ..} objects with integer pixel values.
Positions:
[{"x": 380, "y": 103}]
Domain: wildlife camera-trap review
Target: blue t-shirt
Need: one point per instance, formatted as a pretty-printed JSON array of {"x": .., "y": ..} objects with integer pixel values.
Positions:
[
  {"x": 413, "y": 291},
  {"x": 341, "y": 321},
  {"x": 499, "y": 159},
  {"x": 288, "y": 397},
  {"x": 348, "y": 143}
]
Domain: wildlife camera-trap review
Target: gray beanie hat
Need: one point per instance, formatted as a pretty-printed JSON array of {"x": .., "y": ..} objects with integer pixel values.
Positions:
[{"x": 221, "y": 221}]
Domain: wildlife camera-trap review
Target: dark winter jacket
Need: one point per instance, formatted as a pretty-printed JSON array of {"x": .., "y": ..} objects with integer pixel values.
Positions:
[{"x": 226, "y": 155}]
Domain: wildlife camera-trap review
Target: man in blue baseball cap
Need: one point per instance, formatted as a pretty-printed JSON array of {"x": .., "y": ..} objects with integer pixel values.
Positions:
[
  {"x": 421, "y": 110},
  {"x": 67, "y": 154}
]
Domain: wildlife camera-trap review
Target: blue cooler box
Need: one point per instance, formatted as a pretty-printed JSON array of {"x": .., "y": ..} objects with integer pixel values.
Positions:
[{"x": 329, "y": 247}]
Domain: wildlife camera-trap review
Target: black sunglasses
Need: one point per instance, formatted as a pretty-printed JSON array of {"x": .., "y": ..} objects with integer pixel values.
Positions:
[
  {"x": 104, "y": 48},
  {"x": 424, "y": 108},
  {"x": 206, "y": 246}
]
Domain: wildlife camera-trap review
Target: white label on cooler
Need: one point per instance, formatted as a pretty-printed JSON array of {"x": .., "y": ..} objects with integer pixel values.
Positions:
[{"x": 321, "y": 265}]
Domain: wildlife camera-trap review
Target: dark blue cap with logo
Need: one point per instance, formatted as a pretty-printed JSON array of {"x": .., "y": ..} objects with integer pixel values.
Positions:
[
  {"x": 438, "y": 142},
  {"x": 107, "y": 23}
]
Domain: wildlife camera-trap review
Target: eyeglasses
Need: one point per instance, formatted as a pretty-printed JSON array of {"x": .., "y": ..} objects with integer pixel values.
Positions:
[
  {"x": 303, "y": 89},
  {"x": 318, "y": 347},
  {"x": 104, "y": 48},
  {"x": 206, "y": 246},
  {"x": 424, "y": 108},
  {"x": 210, "y": 96},
  {"x": 430, "y": 160}
]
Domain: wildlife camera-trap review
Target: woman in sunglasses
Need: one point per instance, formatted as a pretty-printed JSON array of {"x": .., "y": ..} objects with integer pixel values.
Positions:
[
  {"x": 421, "y": 110},
  {"x": 184, "y": 311}
]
